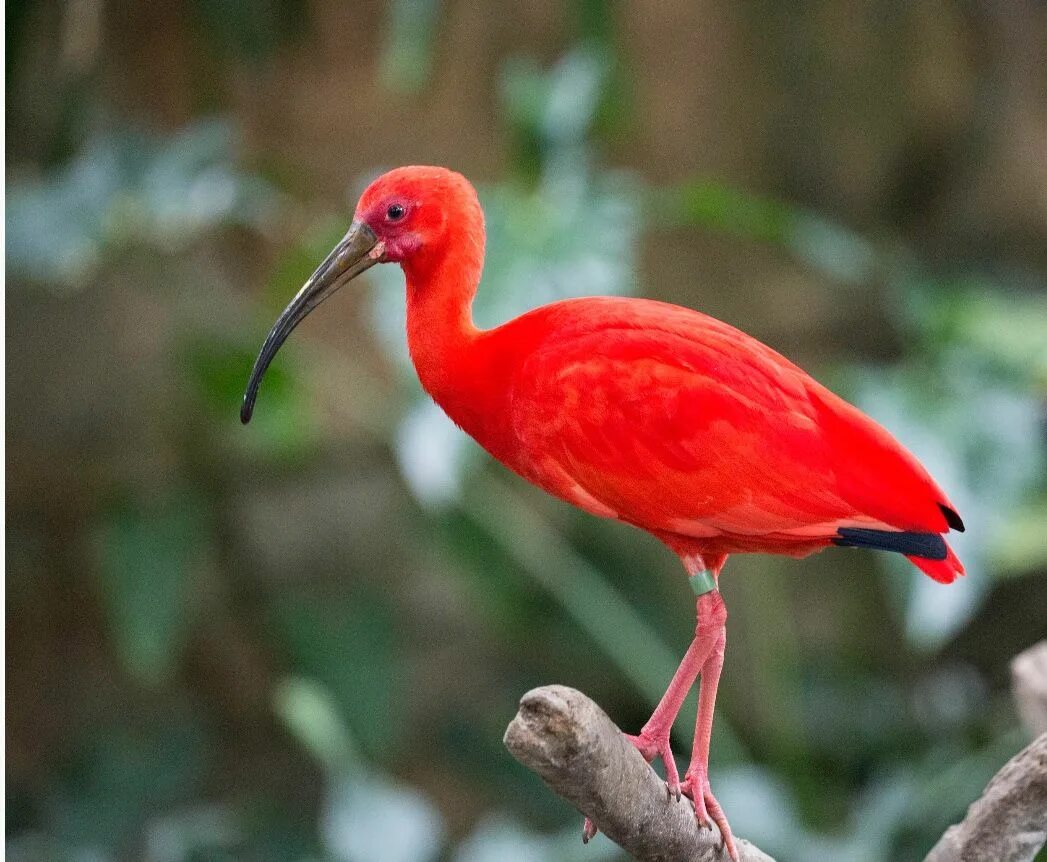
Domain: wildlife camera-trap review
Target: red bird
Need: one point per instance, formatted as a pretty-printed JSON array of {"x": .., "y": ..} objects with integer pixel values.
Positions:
[{"x": 652, "y": 414}]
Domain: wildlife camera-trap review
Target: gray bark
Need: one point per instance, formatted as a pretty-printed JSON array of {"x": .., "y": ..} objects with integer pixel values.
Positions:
[
  {"x": 580, "y": 753},
  {"x": 1029, "y": 683},
  {"x": 1009, "y": 822}
]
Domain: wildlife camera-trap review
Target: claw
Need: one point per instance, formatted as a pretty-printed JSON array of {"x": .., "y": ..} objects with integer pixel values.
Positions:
[
  {"x": 707, "y": 810},
  {"x": 589, "y": 830},
  {"x": 649, "y": 749}
]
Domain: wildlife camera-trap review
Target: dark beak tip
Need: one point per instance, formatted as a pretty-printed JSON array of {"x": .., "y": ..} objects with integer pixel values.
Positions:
[{"x": 347, "y": 260}]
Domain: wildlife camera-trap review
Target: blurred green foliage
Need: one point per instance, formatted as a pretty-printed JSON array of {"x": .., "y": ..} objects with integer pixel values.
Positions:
[
  {"x": 408, "y": 55},
  {"x": 366, "y": 692},
  {"x": 303, "y": 640},
  {"x": 125, "y": 189},
  {"x": 148, "y": 562}
]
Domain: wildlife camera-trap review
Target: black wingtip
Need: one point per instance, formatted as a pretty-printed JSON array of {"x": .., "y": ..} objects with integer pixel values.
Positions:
[
  {"x": 930, "y": 546},
  {"x": 952, "y": 518}
]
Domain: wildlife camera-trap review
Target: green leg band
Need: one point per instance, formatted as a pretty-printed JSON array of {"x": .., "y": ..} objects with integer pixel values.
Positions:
[{"x": 702, "y": 582}]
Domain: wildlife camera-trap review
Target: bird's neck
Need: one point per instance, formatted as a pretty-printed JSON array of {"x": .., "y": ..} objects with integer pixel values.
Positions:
[{"x": 441, "y": 335}]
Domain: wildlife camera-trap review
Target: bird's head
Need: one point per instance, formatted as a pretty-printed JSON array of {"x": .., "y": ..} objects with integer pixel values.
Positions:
[
  {"x": 411, "y": 216},
  {"x": 417, "y": 212}
]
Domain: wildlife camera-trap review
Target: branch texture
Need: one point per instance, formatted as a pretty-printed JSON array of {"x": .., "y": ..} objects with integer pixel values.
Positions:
[
  {"x": 1009, "y": 822},
  {"x": 1029, "y": 681},
  {"x": 580, "y": 753}
]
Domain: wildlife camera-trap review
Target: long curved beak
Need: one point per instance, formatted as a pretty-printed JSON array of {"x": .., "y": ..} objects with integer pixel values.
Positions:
[{"x": 359, "y": 250}]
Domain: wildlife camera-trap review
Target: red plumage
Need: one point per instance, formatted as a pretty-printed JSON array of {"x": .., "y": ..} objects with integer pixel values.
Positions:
[
  {"x": 656, "y": 415},
  {"x": 686, "y": 427}
]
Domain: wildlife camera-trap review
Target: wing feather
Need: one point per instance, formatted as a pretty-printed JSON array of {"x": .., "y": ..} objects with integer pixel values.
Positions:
[{"x": 677, "y": 422}]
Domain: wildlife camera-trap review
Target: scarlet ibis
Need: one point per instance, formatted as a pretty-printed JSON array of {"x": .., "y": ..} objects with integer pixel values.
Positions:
[{"x": 641, "y": 411}]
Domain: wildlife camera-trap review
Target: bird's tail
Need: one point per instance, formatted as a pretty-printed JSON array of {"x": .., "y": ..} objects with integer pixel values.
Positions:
[
  {"x": 929, "y": 552},
  {"x": 944, "y": 571}
]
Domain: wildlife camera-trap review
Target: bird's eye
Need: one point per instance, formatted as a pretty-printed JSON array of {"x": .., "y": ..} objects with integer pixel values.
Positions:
[{"x": 395, "y": 212}]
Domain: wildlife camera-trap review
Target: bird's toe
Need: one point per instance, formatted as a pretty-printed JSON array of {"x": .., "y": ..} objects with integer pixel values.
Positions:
[
  {"x": 648, "y": 747},
  {"x": 694, "y": 788},
  {"x": 651, "y": 747}
]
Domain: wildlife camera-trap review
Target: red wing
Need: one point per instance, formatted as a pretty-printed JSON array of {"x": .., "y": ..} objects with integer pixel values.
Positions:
[{"x": 707, "y": 432}]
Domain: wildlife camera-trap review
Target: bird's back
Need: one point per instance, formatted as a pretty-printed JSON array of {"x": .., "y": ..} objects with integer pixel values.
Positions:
[{"x": 683, "y": 425}]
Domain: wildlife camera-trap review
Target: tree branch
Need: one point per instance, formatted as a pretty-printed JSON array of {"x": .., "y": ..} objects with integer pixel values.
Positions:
[
  {"x": 1009, "y": 822},
  {"x": 579, "y": 752},
  {"x": 1029, "y": 683},
  {"x": 583, "y": 757}
]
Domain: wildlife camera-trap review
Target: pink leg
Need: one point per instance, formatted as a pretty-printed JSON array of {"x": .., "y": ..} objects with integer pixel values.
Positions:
[
  {"x": 653, "y": 739},
  {"x": 712, "y": 619},
  {"x": 705, "y": 657}
]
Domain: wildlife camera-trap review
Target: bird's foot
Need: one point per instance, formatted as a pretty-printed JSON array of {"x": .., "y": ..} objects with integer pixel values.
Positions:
[
  {"x": 706, "y": 809},
  {"x": 650, "y": 746}
]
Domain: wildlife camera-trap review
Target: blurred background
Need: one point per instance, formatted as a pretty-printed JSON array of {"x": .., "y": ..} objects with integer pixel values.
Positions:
[{"x": 303, "y": 639}]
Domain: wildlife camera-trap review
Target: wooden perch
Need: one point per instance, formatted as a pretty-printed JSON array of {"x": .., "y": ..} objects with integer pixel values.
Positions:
[
  {"x": 580, "y": 753},
  {"x": 583, "y": 757},
  {"x": 1009, "y": 822},
  {"x": 1029, "y": 683}
]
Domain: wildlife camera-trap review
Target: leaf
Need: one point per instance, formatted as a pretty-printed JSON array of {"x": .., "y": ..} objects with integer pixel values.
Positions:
[
  {"x": 310, "y": 713},
  {"x": 125, "y": 189},
  {"x": 351, "y": 648},
  {"x": 147, "y": 559}
]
